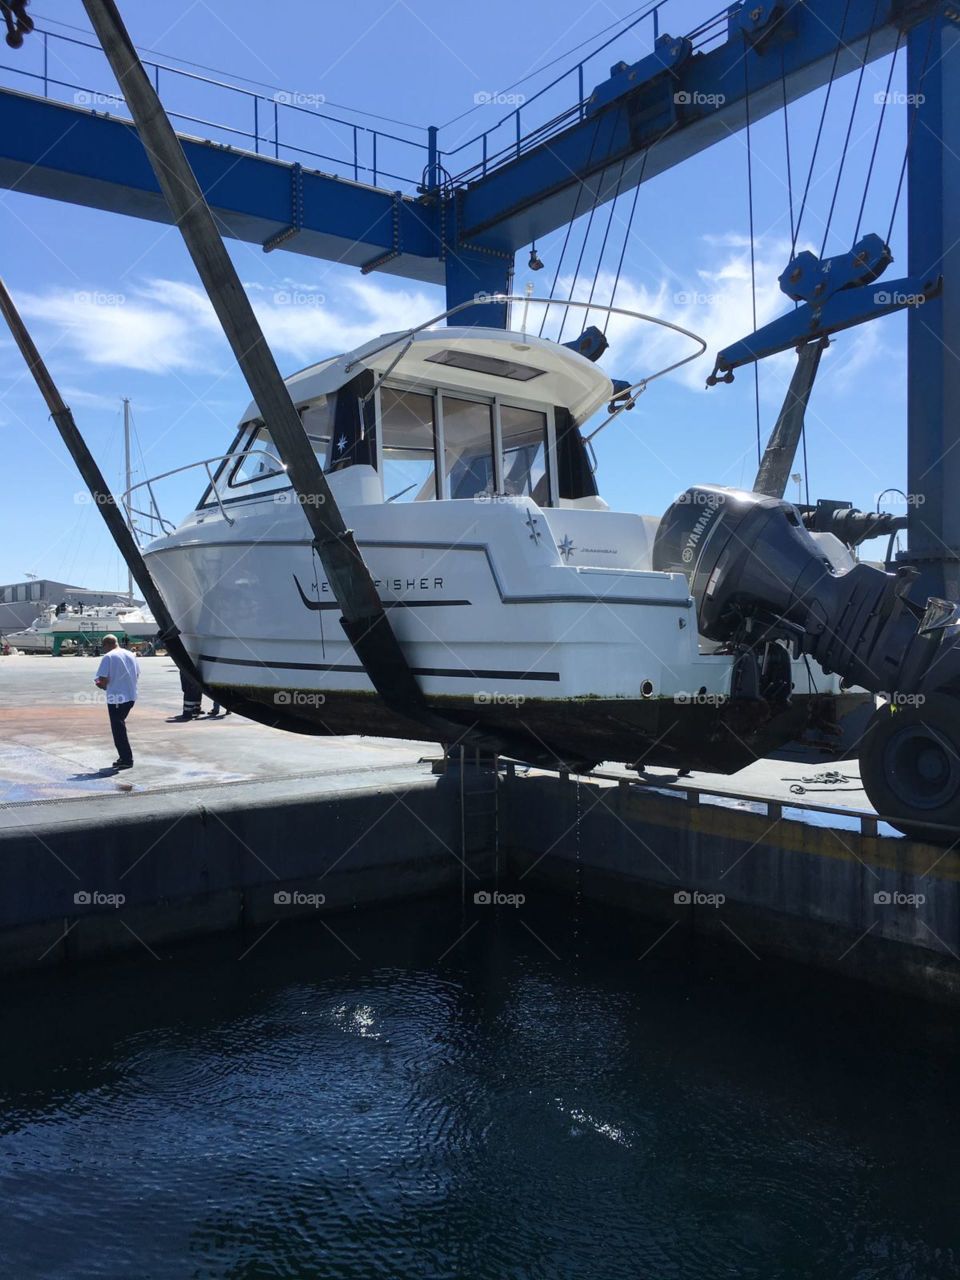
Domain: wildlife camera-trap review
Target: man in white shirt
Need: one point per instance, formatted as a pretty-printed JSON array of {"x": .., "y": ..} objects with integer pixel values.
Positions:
[{"x": 118, "y": 674}]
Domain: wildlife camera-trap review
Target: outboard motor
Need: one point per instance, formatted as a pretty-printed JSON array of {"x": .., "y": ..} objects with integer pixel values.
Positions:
[{"x": 757, "y": 575}]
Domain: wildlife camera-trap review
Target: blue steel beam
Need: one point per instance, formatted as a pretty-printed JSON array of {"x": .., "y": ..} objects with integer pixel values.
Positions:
[
  {"x": 84, "y": 157},
  {"x": 668, "y": 119},
  {"x": 933, "y": 330}
]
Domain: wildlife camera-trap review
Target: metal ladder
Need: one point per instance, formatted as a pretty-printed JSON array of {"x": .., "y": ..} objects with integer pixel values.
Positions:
[{"x": 479, "y": 810}]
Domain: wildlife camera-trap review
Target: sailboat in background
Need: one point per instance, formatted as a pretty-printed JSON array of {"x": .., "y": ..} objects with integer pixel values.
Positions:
[{"x": 75, "y": 627}]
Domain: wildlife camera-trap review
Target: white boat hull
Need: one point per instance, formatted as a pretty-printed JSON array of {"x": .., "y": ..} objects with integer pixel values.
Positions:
[{"x": 503, "y": 628}]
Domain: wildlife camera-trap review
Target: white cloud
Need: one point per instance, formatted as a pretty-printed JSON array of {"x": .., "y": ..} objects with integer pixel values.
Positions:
[
  {"x": 90, "y": 399},
  {"x": 117, "y": 329},
  {"x": 163, "y": 326},
  {"x": 715, "y": 302}
]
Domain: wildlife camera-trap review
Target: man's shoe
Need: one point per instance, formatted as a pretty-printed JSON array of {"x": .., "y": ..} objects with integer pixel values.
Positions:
[{"x": 123, "y": 764}]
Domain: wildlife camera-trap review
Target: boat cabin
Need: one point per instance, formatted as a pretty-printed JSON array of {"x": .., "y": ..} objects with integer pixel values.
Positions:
[{"x": 452, "y": 413}]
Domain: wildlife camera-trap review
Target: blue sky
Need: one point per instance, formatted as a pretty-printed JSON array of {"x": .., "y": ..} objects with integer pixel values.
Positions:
[{"x": 115, "y": 306}]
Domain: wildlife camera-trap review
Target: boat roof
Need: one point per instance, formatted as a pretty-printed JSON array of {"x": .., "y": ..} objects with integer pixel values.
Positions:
[{"x": 489, "y": 361}]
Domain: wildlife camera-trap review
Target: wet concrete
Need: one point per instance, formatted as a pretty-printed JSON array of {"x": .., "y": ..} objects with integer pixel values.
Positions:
[
  {"x": 55, "y": 741},
  {"x": 55, "y": 744}
]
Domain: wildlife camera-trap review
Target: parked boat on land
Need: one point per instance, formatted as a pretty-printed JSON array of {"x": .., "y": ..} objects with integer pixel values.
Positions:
[{"x": 75, "y": 629}]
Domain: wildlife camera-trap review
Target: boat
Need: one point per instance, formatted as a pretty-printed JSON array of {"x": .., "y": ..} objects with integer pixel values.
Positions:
[
  {"x": 79, "y": 629},
  {"x": 526, "y": 607}
]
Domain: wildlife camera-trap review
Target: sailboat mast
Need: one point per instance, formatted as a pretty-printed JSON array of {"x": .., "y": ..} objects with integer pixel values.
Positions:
[{"x": 126, "y": 486}]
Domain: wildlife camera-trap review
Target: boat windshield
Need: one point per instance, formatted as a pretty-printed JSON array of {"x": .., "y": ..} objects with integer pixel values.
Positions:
[
  {"x": 408, "y": 459},
  {"x": 259, "y": 469}
]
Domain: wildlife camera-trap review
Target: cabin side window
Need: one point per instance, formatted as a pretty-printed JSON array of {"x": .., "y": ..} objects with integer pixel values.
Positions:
[
  {"x": 575, "y": 478},
  {"x": 523, "y": 434},
  {"x": 317, "y": 419},
  {"x": 468, "y": 440},
  {"x": 408, "y": 445}
]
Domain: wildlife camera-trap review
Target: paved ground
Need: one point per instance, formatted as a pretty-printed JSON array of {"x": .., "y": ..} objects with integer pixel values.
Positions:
[
  {"x": 55, "y": 738},
  {"x": 832, "y": 785},
  {"x": 55, "y": 743}
]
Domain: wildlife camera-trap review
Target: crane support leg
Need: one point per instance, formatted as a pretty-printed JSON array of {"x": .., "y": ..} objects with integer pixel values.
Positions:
[
  {"x": 933, "y": 448},
  {"x": 471, "y": 272}
]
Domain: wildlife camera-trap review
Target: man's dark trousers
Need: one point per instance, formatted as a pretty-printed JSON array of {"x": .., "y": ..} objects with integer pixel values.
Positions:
[{"x": 118, "y": 714}]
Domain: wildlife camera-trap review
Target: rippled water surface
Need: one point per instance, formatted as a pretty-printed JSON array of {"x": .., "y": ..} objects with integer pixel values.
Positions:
[{"x": 541, "y": 1099}]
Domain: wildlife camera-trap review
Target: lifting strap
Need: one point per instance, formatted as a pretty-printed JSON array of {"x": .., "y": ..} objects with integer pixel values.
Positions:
[{"x": 776, "y": 464}]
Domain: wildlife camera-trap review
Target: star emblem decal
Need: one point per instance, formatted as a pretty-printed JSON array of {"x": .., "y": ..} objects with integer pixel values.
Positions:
[
  {"x": 342, "y": 444},
  {"x": 566, "y": 547}
]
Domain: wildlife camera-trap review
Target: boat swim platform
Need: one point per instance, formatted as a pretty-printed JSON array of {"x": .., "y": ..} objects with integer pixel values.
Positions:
[{"x": 226, "y": 825}]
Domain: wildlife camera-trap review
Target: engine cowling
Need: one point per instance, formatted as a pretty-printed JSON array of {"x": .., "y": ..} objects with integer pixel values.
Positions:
[{"x": 756, "y": 574}]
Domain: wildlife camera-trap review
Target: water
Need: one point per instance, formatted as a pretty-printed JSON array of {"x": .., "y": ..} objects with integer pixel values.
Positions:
[{"x": 536, "y": 1104}]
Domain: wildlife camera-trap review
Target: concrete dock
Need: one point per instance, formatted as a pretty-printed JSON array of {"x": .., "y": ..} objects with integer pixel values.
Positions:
[
  {"x": 55, "y": 739},
  {"x": 227, "y": 825}
]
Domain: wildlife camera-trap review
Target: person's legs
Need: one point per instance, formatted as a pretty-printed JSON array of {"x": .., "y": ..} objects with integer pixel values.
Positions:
[
  {"x": 118, "y": 715},
  {"x": 192, "y": 694}
]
